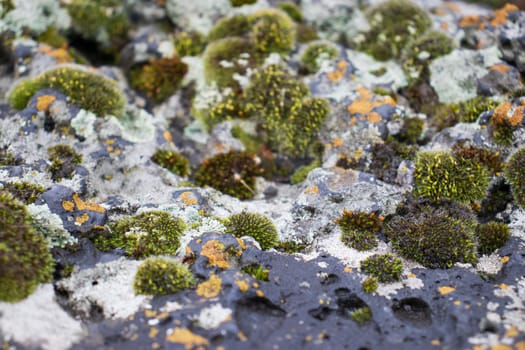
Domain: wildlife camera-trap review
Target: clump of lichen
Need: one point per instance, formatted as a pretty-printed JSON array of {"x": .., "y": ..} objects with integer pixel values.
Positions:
[
  {"x": 359, "y": 229},
  {"x": 25, "y": 260},
  {"x": 160, "y": 78},
  {"x": 24, "y": 191},
  {"x": 440, "y": 175},
  {"x": 369, "y": 285},
  {"x": 172, "y": 160},
  {"x": 315, "y": 52},
  {"x": 435, "y": 234},
  {"x": 148, "y": 233},
  {"x": 385, "y": 267},
  {"x": 393, "y": 24},
  {"x": 64, "y": 159},
  {"x": 161, "y": 276},
  {"x": 88, "y": 90},
  {"x": 515, "y": 176},
  {"x": 491, "y": 236},
  {"x": 282, "y": 106},
  {"x": 255, "y": 225},
  {"x": 231, "y": 173},
  {"x": 189, "y": 43}
]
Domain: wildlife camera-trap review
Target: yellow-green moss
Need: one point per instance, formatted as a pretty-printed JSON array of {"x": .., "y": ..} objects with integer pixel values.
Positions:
[
  {"x": 235, "y": 26},
  {"x": 315, "y": 51},
  {"x": 64, "y": 160},
  {"x": 173, "y": 161},
  {"x": 24, "y": 191},
  {"x": 369, "y": 285},
  {"x": 385, "y": 267},
  {"x": 292, "y": 10},
  {"x": 237, "y": 3},
  {"x": 300, "y": 174},
  {"x": 258, "y": 226},
  {"x": 362, "y": 315},
  {"x": 273, "y": 31},
  {"x": 161, "y": 276},
  {"x": 491, "y": 236},
  {"x": 359, "y": 229},
  {"x": 515, "y": 176},
  {"x": 189, "y": 43}
]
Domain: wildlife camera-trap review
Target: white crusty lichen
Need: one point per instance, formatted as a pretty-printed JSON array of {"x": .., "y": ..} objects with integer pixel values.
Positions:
[
  {"x": 35, "y": 15},
  {"x": 50, "y": 225}
]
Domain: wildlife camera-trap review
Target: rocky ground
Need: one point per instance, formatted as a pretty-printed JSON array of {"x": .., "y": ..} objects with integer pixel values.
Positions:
[{"x": 260, "y": 155}]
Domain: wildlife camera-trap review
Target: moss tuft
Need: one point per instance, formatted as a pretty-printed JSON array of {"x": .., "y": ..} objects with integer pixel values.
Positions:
[
  {"x": 230, "y": 107},
  {"x": 369, "y": 285},
  {"x": 291, "y": 10},
  {"x": 25, "y": 260},
  {"x": 490, "y": 159},
  {"x": 359, "y": 229},
  {"x": 148, "y": 233},
  {"x": 314, "y": 52},
  {"x": 6, "y": 158},
  {"x": 161, "y": 276},
  {"x": 255, "y": 225},
  {"x": 238, "y": 3},
  {"x": 388, "y": 156},
  {"x": 257, "y": 272},
  {"x": 189, "y": 43},
  {"x": 411, "y": 130},
  {"x": 234, "y": 26},
  {"x": 492, "y": 236},
  {"x": 173, "y": 161},
  {"x": 515, "y": 176},
  {"x": 88, "y": 90},
  {"x": 362, "y": 315},
  {"x": 64, "y": 159},
  {"x": 300, "y": 174},
  {"x": 385, "y": 267},
  {"x": 441, "y": 175},
  {"x": 272, "y": 31},
  {"x": 25, "y": 192},
  {"x": 231, "y": 173}
]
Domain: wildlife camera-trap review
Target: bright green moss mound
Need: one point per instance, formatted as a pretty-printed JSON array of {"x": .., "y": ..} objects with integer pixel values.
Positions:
[
  {"x": 173, "y": 161},
  {"x": 231, "y": 173},
  {"x": 440, "y": 175},
  {"x": 300, "y": 174},
  {"x": 393, "y": 24},
  {"x": 359, "y": 229},
  {"x": 25, "y": 261},
  {"x": 160, "y": 276},
  {"x": 369, "y": 285},
  {"x": 437, "y": 235},
  {"x": 491, "y": 236},
  {"x": 516, "y": 177},
  {"x": 362, "y": 315},
  {"x": 273, "y": 31},
  {"x": 314, "y": 52},
  {"x": 189, "y": 43},
  {"x": 258, "y": 226},
  {"x": 159, "y": 79},
  {"x": 234, "y": 26},
  {"x": 88, "y": 90},
  {"x": 291, "y": 10},
  {"x": 385, "y": 267},
  {"x": 148, "y": 233}
]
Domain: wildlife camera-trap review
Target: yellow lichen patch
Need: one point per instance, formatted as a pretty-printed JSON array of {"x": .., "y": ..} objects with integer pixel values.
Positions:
[
  {"x": 241, "y": 336},
  {"x": 214, "y": 251},
  {"x": 68, "y": 206},
  {"x": 313, "y": 190},
  {"x": 188, "y": 198},
  {"x": 260, "y": 293},
  {"x": 82, "y": 219},
  {"x": 503, "y": 286},
  {"x": 243, "y": 285},
  {"x": 457, "y": 303},
  {"x": 167, "y": 136},
  {"x": 435, "y": 342},
  {"x": 373, "y": 117},
  {"x": 347, "y": 269},
  {"x": 61, "y": 55},
  {"x": 81, "y": 205},
  {"x": 110, "y": 142},
  {"x": 150, "y": 313},
  {"x": 517, "y": 116},
  {"x": 520, "y": 345},
  {"x": 339, "y": 72},
  {"x": 153, "y": 332},
  {"x": 411, "y": 275},
  {"x": 505, "y": 260},
  {"x": 500, "y": 16},
  {"x": 512, "y": 332},
  {"x": 501, "y": 347},
  {"x": 187, "y": 338},
  {"x": 241, "y": 243},
  {"x": 446, "y": 290},
  {"x": 210, "y": 288},
  {"x": 502, "y": 68},
  {"x": 43, "y": 102},
  {"x": 162, "y": 315}
]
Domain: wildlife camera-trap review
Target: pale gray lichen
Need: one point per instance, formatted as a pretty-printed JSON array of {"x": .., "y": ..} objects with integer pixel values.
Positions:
[
  {"x": 50, "y": 225},
  {"x": 35, "y": 15},
  {"x": 84, "y": 123}
]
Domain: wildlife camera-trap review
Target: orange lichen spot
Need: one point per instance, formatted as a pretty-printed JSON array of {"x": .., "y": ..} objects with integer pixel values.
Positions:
[
  {"x": 81, "y": 205},
  {"x": 339, "y": 72},
  {"x": 210, "y": 288},
  {"x": 505, "y": 260},
  {"x": 439, "y": 11},
  {"x": 43, "y": 102},
  {"x": 153, "y": 332},
  {"x": 187, "y": 338},
  {"x": 188, "y": 250},
  {"x": 470, "y": 21},
  {"x": 501, "y": 347},
  {"x": 110, "y": 141},
  {"x": 520, "y": 345},
  {"x": 241, "y": 243},
  {"x": 503, "y": 286},
  {"x": 444, "y": 26},
  {"x": 500, "y": 112},
  {"x": 68, "y": 206},
  {"x": 214, "y": 251},
  {"x": 502, "y": 68},
  {"x": 110, "y": 149},
  {"x": 167, "y": 136},
  {"x": 500, "y": 16},
  {"x": 241, "y": 336},
  {"x": 150, "y": 313},
  {"x": 61, "y": 55},
  {"x": 243, "y": 285},
  {"x": 260, "y": 293},
  {"x": 337, "y": 142},
  {"x": 82, "y": 218},
  {"x": 517, "y": 116},
  {"x": 255, "y": 285},
  {"x": 435, "y": 342},
  {"x": 364, "y": 105},
  {"x": 411, "y": 275},
  {"x": 512, "y": 332},
  {"x": 314, "y": 190},
  {"x": 373, "y": 117},
  {"x": 451, "y": 6},
  {"x": 347, "y": 269},
  {"x": 446, "y": 290},
  {"x": 117, "y": 152}
]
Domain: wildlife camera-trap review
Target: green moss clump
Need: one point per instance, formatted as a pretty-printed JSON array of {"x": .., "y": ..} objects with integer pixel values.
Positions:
[
  {"x": 291, "y": 10},
  {"x": 490, "y": 159},
  {"x": 238, "y": 3},
  {"x": 161, "y": 276},
  {"x": 6, "y": 158},
  {"x": 359, "y": 229},
  {"x": 411, "y": 130},
  {"x": 515, "y": 176},
  {"x": 234, "y": 26},
  {"x": 435, "y": 234},
  {"x": 52, "y": 38},
  {"x": 25, "y": 192},
  {"x": 291, "y": 247},
  {"x": 240, "y": 53},
  {"x": 230, "y": 107},
  {"x": 255, "y": 225},
  {"x": 173, "y": 161},
  {"x": 231, "y": 173},
  {"x": 369, "y": 285},
  {"x": 445, "y": 116},
  {"x": 301, "y": 173},
  {"x": 257, "y": 272},
  {"x": 492, "y": 236},
  {"x": 305, "y": 33},
  {"x": 288, "y": 116},
  {"x": 314, "y": 52},
  {"x": 148, "y": 233},
  {"x": 91, "y": 91},
  {"x": 362, "y": 315},
  {"x": 441, "y": 175},
  {"x": 159, "y": 79},
  {"x": 64, "y": 159},
  {"x": 385, "y": 267},
  {"x": 272, "y": 31},
  {"x": 393, "y": 24},
  {"x": 25, "y": 260},
  {"x": 189, "y": 43}
]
